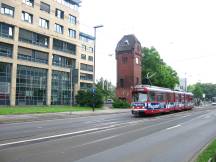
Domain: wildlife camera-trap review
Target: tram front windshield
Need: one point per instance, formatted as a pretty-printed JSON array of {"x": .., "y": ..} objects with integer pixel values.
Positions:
[{"x": 139, "y": 97}]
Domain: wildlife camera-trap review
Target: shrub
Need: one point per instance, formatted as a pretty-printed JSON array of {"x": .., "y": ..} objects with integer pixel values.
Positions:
[
  {"x": 120, "y": 104},
  {"x": 87, "y": 98}
]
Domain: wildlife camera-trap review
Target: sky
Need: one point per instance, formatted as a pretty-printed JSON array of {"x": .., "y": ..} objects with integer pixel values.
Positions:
[{"x": 182, "y": 31}]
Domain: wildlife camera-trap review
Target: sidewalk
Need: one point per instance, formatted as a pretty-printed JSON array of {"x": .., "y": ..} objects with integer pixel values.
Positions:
[{"x": 59, "y": 115}]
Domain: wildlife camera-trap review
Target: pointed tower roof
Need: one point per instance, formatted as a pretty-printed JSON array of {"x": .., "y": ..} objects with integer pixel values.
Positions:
[{"x": 127, "y": 43}]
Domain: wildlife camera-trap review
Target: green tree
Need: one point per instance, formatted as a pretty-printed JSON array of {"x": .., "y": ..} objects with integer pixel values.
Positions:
[
  {"x": 198, "y": 89},
  {"x": 88, "y": 98},
  {"x": 152, "y": 65},
  {"x": 198, "y": 92},
  {"x": 106, "y": 88}
]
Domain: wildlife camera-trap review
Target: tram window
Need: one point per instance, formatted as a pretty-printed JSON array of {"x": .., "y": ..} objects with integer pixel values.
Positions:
[
  {"x": 140, "y": 97},
  {"x": 152, "y": 96},
  {"x": 179, "y": 98},
  {"x": 170, "y": 97},
  {"x": 160, "y": 97},
  {"x": 183, "y": 98}
]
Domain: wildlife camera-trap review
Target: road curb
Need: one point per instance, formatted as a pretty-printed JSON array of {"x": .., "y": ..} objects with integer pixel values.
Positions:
[{"x": 193, "y": 159}]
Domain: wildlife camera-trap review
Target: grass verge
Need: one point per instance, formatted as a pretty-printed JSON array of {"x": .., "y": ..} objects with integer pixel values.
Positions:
[
  {"x": 40, "y": 109},
  {"x": 209, "y": 152}
]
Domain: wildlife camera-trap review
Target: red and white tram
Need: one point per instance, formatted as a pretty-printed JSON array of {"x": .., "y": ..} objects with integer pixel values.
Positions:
[{"x": 149, "y": 100}]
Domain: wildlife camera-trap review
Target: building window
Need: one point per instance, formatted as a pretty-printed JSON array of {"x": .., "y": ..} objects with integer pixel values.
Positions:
[
  {"x": 59, "y": 14},
  {"x": 122, "y": 83},
  {"x": 72, "y": 19},
  {"x": 32, "y": 55},
  {"x": 44, "y": 23},
  {"x": 61, "y": 88},
  {"x": 6, "y": 30},
  {"x": 86, "y": 38},
  {"x": 72, "y": 33},
  {"x": 90, "y": 49},
  {"x": 137, "y": 60},
  {"x": 45, "y": 7},
  {"x": 69, "y": 4},
  {"x": 83, "y": 56},
  {"x": 5, "y": 83},
  {"x": 83, "y": 47},
  {"x": 7, "y": 10},
  {"x": 88, "y": 77},
  {"x": 90, "y": 58},
  {"x": 63, "y": 61},
  {"x": 33, "y": 38},
  {"x": 86, "y": 67},
  {"x": 27, "y": 17},
  {"x": 6, "y": 49},
  {"x": 64, "y": 46},
  {"x": 31, "y": 86},
  {"x": 85, "y": 85},
  {"x": 29, "y": 2},
  {"x": 59, "y": 28}
]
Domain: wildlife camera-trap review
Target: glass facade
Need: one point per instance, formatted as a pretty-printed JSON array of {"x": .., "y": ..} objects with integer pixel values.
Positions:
[
  {"x": 84, "y": 76},
  {"x": 6, "y": 49},
  {"x": 33, "y": 38},
  {"x": 63, "y": 61},
  {"x": 61, "y": 88},
  {"x": 32, "y": 55},
  {"x": 31, "y": 86},
  {"x": 86, "y": 67},
  {"x": 64, "y": 46},
  {"x": 5, "y": 83},
  {"x": 85, "y": 85}
]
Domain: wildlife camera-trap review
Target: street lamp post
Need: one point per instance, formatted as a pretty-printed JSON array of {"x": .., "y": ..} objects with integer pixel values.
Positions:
[
  {"x": 94, "y": 84},
  {"x": 95, "y": 30}
]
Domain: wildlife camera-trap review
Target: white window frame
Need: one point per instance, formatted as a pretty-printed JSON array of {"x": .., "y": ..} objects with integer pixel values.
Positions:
[
  {"x": 59, "y": 28},
  {"x": 72, "y": 33},
  {"x": 7, "y": 10},
  {"x": 27, "y": 17},
  {"x": 72, "y": 19},
  {"x": 43, "y": 23},
  {"x": 28, "y": 2}
]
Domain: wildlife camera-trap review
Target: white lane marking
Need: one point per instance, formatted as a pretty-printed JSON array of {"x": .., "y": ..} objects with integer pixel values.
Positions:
[
  {"x": 96, "y": 141},
  {"x": 186, "y": 116},
  {"x": 173, "y": 127},
  {"x": 55, "y": 136}
]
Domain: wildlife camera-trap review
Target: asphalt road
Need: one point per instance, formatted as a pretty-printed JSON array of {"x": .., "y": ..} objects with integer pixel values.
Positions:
[{"x": 121, "y": 137}]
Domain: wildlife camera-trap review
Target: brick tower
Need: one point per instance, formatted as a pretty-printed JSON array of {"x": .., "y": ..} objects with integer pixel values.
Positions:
[{"x": 128, "y": 56}]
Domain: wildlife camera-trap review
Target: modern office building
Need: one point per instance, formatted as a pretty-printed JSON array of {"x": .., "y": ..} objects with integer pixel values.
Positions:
[{"x": 44, "y": 58}]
